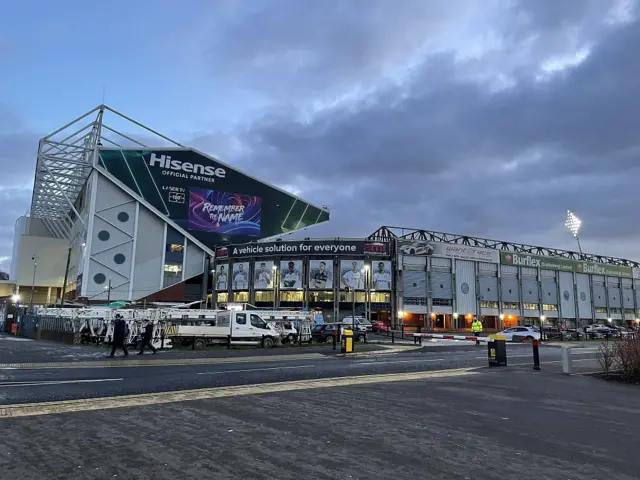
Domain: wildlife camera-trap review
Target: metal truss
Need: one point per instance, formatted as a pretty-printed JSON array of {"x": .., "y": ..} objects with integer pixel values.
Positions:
[
  {"x": 67, "y": 156},
  {"x": 410, "y": 234}
]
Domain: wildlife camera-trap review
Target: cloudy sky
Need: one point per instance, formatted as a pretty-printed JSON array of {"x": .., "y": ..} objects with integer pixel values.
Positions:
[{"x": 482, "y": 117}]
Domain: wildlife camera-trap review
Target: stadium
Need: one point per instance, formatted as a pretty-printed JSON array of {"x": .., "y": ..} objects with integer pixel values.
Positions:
[{"x": 120, "y": 212}]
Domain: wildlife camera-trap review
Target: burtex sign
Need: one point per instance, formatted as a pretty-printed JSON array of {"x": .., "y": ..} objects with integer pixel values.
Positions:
[
  {"x": 564, "y": 265},
  {"x": 304, "y": 247}
]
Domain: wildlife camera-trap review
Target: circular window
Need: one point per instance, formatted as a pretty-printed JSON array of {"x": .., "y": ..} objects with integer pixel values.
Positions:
[
  {"x": 464, "y": 288},
  {"x": 566, "y": 295},
  {"x": 123, "y": 217},
  {"x": 583, "y": 296},
  {"x": 119, "y": 258},
  {"x": 104, "y": 235},
  {"x": 99, "y": 278}
]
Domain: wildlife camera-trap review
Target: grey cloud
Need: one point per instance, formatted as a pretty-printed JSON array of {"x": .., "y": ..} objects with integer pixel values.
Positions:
[{"x": 436, "y": 153}]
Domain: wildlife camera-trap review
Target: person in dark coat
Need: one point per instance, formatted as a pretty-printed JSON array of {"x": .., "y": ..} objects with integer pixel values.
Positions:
[
  {"x": 119, "y": 334},
  {"x": 147, "y": 336}
]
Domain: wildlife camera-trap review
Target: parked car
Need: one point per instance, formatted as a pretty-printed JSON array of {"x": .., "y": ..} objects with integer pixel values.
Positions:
[
  {"x": 360, "y": 323},
  {"x": 378, "y": 326},
  {"x": 527, "y": 333},
  {"x": 325, "y": 333}
]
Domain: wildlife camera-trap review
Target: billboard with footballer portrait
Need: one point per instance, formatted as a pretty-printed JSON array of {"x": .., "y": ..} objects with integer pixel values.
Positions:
[
  {"x": 320, "y": 274},
  {"x": 240, "y": 278},
  {"x": 352, "y": 275},
  {"x": 290, "y": 274},
  {"x": 263, "y": 275},
  {"x": 222, "y": 277}
]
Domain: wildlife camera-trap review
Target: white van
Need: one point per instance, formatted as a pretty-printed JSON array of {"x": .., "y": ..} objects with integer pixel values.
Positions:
[{"x": 242, "y": 326}]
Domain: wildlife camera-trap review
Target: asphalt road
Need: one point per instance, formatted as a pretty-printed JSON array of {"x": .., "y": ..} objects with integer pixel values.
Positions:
[
  {"x": 83, "y": 380},
  {"x": 497, "y": 424}
]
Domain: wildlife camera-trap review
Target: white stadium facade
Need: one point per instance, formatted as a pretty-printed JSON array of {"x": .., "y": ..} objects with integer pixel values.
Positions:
[{"x": 122, "y": 213}]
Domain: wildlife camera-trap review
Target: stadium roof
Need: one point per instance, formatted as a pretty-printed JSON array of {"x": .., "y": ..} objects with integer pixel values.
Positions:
[
  {"x": 65, "y": 159},
  {"x": 412, "y": 234}
]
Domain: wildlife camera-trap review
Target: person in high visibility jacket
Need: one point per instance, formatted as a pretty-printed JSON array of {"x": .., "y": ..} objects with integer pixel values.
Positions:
[{"x": 476, "y": 328}]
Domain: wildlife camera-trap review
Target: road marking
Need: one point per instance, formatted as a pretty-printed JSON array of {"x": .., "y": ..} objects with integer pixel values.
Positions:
[
  {"x": 384, "y": 362},
  {"x": 255, "y": 370},
  {"x": 55, "y": 382},
  {"x": 145, "y": 399},
  {"x": 557, "y": 361},
  {"x": 159, "y": 363}
]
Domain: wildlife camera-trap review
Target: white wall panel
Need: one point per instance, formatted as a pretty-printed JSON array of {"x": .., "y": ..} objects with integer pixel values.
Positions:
[
  {"x": 466, "y": 300},
  {"x": 584, "y": 296},
  {"x": 413, "y": 260},
  {"x": 193, "y": 260},
  {"x": 567, "y": 296},
  {"x": 149, "y": 254}
]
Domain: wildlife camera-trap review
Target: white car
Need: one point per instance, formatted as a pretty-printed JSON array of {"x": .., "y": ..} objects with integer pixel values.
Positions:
[
  {"x": 527, "y": 332},
  {"x": 417, "y": 248}
]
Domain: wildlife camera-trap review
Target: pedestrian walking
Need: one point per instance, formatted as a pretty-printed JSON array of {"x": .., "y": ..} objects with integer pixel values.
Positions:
[
  {"x": 119, "y": 334},
  {"x": 476, "y": 328},
  {"x": 147, "y": 336}
]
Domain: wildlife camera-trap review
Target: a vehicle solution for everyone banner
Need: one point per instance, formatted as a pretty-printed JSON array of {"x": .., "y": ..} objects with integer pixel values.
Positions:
[
  {"x": 320, "y": 274},
  {"x": 290, "y": 274},
  {"x": 305, "y": 247},
  {"x": 240, "y": 276},
  {"x": 222, "y": 277},
  {"x": 352, "y": 275},
  {"x": 263, "y": 275},
  {"x": 214, "y": 202},
  {"x": 381, "y": 275}
]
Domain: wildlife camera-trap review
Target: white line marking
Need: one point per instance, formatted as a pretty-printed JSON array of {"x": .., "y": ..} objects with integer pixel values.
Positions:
[
  {"x": 542, "y": 364},
  {"x": 382, "y": 362},
  {"x": 145, "y": 399},
  {"x": 255, "y": 370},
  {"x": 55, "y": 382}
]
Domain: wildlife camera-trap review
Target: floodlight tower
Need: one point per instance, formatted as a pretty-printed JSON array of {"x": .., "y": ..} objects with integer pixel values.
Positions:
[{"x": 573, "y": 223}]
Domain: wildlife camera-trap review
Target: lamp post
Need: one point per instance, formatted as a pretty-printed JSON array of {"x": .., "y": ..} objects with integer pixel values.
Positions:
[
  {"x": 542, "y": 319},
  {"x": 573, "y": 224},
  {"x": 274, "y": 268},
  {"x": 365, "y": 272},
  {"x": 108, "y": 289},
  {"x": 33, "y": 282},
  {"x": 455, "y": 317}
]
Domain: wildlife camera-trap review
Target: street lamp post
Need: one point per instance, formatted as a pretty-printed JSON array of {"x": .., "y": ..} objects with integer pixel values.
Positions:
[
  {"x": 542, "y": 319},
  {"x": 108, "y": 288},
  {"x": 365, "y": 272},
  {"x": 273, "y": 281},
  {"x": 33, "y": 282}
]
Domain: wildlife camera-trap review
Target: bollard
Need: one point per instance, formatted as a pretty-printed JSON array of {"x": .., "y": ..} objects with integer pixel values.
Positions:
[
  {"x": 262, "y": 341},
  {"x": 567, "y": 368},
  {"x": 334, "y": 340},
  {"x": 393, "y": 337},
  {"x": 162, "y": 340},
  {"x": 228, "y": 342},
  {"x": 420, "y": 340},
  {"x": 402, "y": 331},
  {"x": 497, "y": 351},
  {"x": 536, "y": 355}
]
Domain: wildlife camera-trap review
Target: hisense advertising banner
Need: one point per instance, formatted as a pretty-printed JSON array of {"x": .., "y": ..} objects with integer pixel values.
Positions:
[
  {"x": 210, "y": 200},
  {"x": 562, "y": 264}
]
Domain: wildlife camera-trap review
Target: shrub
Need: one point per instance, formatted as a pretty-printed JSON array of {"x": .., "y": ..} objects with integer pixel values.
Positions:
[
  {"x": 606, "y": 357},
  {"x": 627, "y": 359}
]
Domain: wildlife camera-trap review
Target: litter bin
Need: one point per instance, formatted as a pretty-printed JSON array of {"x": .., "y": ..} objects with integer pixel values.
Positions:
[
  {"x": 497, "y": 350},
  {"x": 346, "y": 341}
]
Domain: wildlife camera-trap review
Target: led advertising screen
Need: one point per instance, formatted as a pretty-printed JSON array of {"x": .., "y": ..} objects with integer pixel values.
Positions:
[{"x": 224, "y": 212}]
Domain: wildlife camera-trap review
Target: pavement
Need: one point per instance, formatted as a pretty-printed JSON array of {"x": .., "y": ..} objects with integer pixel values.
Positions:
[
  {"x": 430, "y": 412},
  {"x": 484, "y": 425}
]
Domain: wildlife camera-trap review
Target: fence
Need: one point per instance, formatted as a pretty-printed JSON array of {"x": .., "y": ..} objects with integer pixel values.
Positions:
[{"x": 48, "y": 328}]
